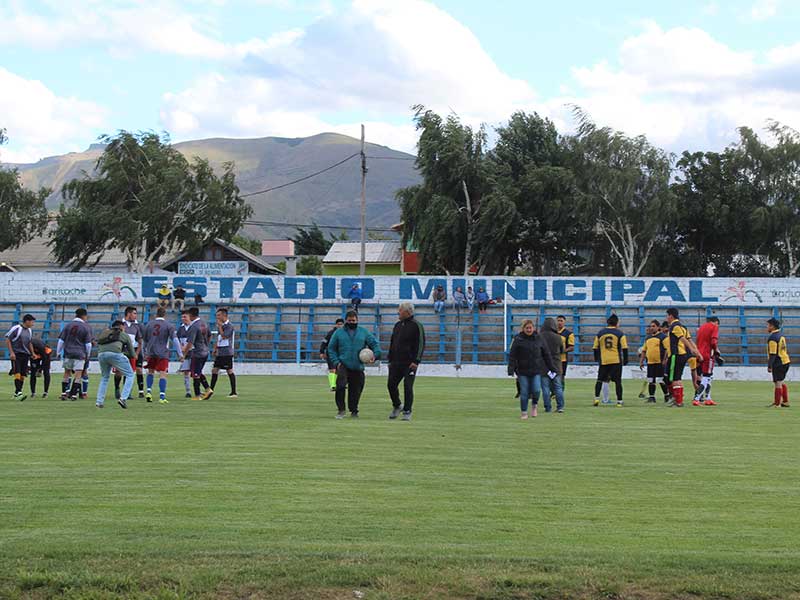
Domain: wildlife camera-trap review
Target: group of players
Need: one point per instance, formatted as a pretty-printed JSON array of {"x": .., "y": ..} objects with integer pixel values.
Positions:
[
  {"x": 668, "y": 349},
  {"x": 152, "y": 344}
]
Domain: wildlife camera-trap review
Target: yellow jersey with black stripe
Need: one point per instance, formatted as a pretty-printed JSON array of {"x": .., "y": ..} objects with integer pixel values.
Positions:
[
  {"x": 569, "y": 340},
  {"x": 611, "y": 342},
  {"x": 654, "y": 349},
  {"x": 692, "y": 362},
  {"x": 677, "y": 333},
  {"x": 776, "y": 348}
]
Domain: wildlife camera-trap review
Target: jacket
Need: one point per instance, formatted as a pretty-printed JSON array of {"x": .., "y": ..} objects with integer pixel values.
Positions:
[
  {"x": 356, "y": 293},
  {"x": 323, "y": 347},
  {"x": 528, "y": 356},
  {"x": 408, "y": 342},
  {"x": 121, "y": 345},
  {"x": 482, "y": 297},
  {"x": 345, "y": 345},
  {"x": 553, "y": 341}
]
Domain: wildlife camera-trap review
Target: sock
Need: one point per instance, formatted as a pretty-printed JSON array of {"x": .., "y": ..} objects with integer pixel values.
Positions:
[
  {"x": 605, "y": 391},
  {"x": 597, "y": 387},
  {"x": 162, "y": 388},
  {"x": 76, "y": 388},
  {"x": 33, "y": 385},
  {"x": 666, "y": 389},
  {"x": 64, "y": 386},
  {"x": 85, "y": 384},
  {"x": 708, "y": 391},
  {"x": 203, "y": 381},
  {"x": 149, "y": 381},
  {"x": 785, "y": 393},
  {"x": 618, "y": 389},
  {"x": 651, "y": 390},
  {"x": 645, "y": 385},
  {"x": 332, "y": 380},
  {"x": 196, "y": 383},
  {"x": 17, "y": 384},
  {"x": 117, "y": 381},
  {"x": 232, "y": 379},
  {"x": 214, "y": 380},
  {"x": 778, "y": 396},
  {"x": 140, "y": 381},
  {"x": 677, "y": 394},
  {"x": 187, "y": 383}
]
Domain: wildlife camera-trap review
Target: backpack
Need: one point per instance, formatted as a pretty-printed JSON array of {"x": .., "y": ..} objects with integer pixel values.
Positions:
[{"x": 109, "y": 336}]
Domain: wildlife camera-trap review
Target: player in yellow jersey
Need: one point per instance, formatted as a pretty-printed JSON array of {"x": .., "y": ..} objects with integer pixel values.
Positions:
[
  {"x": 778, "y": 362},
  {"x": 611, "y": 352},
  {"x": 654, "y": 352},
  {"x": 680, "y": 349}
]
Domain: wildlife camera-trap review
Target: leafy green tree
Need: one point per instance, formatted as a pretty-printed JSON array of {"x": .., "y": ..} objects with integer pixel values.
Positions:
[
  {"x": 252, "y": 245},
  {"x": 440, "y": 214},
  {"x": 24, "y": 212},
  {"x": 309, "y": 265},
  {"x": 624, "y": 187},
  {"x": 148, "y": 201},
  {"x": 312, "y": 241}
]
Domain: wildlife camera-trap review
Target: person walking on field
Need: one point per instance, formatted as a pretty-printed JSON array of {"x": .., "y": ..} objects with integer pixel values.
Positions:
[
  {"x": 405, "y": 353},
  {"x": 556, "y": 347},
  {"x": 323, "y": 353},
  {"x": 343, "y": 351},
  {"x": 20, "y": 351},
  {"x": 223, "y": 351},
  {"x": 778, "y": 363},
  {"x": 529, "y": 359},
  {"x": 158, "y": 334},
  {"x": 75, "y": 346},
  {"x": 115, "y": 349},
  {"x": 707, "y": 342}
]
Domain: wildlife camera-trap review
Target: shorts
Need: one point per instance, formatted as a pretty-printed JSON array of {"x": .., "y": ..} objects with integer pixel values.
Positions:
[
  {"x": 655, "y": 371},
  {"x": 74, "y": 364},
  {"x": 137, "y": 362},
  {"x": 186, "y": 365},
  {"x": 779, "y": 372},
  {"x": 675, "y": 367},
  {"x": 155, "y": 363},
  {"x": 196, "y": 365},
  {"x": 20, "y": 365},
  {"x": 40, "y": 365},
  {"x": 223, "y": 362},
  {"x": 610, "y": 372},
  {"x": 706, "y": 367}
]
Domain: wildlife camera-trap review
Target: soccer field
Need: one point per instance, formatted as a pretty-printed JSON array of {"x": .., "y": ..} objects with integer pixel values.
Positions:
[{"x": 268, "y": 496}]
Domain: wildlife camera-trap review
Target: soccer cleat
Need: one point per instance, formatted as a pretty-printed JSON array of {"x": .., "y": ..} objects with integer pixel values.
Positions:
[
  {"x": 163, "y": 401},
  {"x": 149, "y": 396},
  {"x": 596, "y": 402},
  {"x": 341, "y": 414},
  {"x": 353, "y": 415},
  {"x": 98, "y": 406},
  {"x": 785, "y": 404},
  {"x": 141, "y": 393},
  {"x": 642, "y": 396},
  {"x": 122, "y": 402},
  {"x": 395, "y": 413},
  {"x": 196, "y": 398},
  {"x": 44, "y": 395},
  {"x": 407, "y": 416},
  {"x": 560, "y": 410},
  {"x": 696, "y": 402},
  {"x": 333, "y": 389},
  {"x": 83, "y": 396},
  {"x": 709, "y": 402},
  {"x": 619, "y": 403},
  {"x": 233, "y": 395},
  {"x": 19, "y": 396},
  {"x": 64, "y": 396},
  {"x": 208, "y": 393},
  {"x": 188, "y": 395}
]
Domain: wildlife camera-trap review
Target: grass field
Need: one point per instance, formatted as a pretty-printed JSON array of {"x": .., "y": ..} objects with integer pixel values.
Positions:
[{"x": 268, "y": 496}]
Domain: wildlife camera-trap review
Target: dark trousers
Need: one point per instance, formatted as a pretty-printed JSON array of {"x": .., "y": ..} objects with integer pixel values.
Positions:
[
  {"x": 398, "y": 373},
  {"x": 353, "y": 381}
]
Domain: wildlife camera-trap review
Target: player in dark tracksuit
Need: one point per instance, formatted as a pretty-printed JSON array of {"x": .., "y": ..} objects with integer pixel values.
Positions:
[{"x": 405, "y": 353}]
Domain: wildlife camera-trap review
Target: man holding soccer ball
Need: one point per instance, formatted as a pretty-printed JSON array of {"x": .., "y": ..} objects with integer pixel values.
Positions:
[{"x": 347, "y": 352}]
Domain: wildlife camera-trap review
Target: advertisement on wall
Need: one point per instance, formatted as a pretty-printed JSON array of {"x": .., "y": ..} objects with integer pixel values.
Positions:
[{"x": 255, "y": 289}]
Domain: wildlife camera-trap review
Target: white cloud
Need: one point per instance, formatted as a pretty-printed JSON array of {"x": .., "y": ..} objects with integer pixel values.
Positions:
[
  {"x": 41, "y": 123},
  {"x": 374, "y": 60},
  {"x": 762, "y": 10},
  {"x": 686, "y": 90}
]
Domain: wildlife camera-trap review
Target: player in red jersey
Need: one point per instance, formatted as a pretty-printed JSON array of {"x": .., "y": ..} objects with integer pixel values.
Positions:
[{"x": 707, "y": 339}]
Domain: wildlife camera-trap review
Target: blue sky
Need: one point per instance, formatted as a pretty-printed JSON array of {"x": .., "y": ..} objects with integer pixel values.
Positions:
[{"x": 684, "y": 73}]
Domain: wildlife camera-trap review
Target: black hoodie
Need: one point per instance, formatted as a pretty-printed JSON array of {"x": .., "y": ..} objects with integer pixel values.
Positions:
[
  {"x": 553, "y": 341},
  {"x": 528, "y": 356}
]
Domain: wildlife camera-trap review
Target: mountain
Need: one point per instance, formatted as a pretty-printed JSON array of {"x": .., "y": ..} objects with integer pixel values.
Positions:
[{"x": 332, "y": 198}]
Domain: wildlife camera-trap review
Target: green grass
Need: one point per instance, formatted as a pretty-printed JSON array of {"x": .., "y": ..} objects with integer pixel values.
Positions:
[{"x": 268, "y": 496}]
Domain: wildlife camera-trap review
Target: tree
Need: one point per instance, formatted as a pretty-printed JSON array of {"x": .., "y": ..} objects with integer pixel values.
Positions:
[
  {"x": 624, "y": 186},
  {"x": 253, "y": 246},
  {"x": 24, "y": 212},
  {"x": 312, "y": 241},
  {"x": 437, "y": 218},
  {"x": 146, "y": 200},
  {"x": 309, "y": 265}
]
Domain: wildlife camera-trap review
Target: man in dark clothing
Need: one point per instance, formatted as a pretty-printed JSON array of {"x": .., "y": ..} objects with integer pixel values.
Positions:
[
  {"x": 344, "y": 350},
  {"x": 40, "y": 363},
  {"x": 323, "y": 353},
  {"x": 554, "y": 342},
  {"x": 405, "y": 353}
]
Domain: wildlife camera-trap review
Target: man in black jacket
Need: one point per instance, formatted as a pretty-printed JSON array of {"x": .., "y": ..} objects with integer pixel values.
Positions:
[{"x": 405, "y": 353}]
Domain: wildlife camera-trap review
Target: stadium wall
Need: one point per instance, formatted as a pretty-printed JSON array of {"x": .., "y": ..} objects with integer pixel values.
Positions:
[{"x": 255, "y": 289}]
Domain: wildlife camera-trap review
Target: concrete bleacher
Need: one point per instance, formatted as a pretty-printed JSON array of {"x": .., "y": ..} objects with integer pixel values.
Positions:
[{"x": 293, "y": 332}]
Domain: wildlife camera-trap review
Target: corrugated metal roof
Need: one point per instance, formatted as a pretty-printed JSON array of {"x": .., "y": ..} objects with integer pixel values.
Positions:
[
  {"x": 37, "y": 254},
  {"x": 376, "y": 252}
]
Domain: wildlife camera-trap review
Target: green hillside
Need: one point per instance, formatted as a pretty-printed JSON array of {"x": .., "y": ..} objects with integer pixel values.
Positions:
[{"x": 332, "y": 198}]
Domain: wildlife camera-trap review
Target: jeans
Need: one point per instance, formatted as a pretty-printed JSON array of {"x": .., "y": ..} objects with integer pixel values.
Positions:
[
  {"x": 123, "y": 366},
  {"x": 553, "y": 386},
  {"x": 529, "y": 387},
  {"x": 438, "y": 305}
]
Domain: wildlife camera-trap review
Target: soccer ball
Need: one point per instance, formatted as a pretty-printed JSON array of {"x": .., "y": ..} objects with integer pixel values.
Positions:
[{"x": 366, "y": 356}]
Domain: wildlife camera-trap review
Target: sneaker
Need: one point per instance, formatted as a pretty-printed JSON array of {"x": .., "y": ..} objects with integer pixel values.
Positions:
[
  {"x": 149, "y": 396},
  {"x": 233, "y": 395},
  {"x": 98, "y": 406},
  {"x": 20, "y": 396},
  {"x": 667, "y": 400},
  {"x": 607, "y": 402},
  {"x": 197, "y": 398},
  {"x": 341, "y": 414},
  {"x": 141, "y": 393},
  {"x": 560, "y": 410},
  {"x": 619, "y": 404},
  {"x": 596, "y": 402},
  {"x": 651, "y": 400},
  {"x": 524, "y": 416},
  {"x": 642, "y": 396},
  {"x": 333, "y": 389},
  {"x": 73, "y": 397},
  {"x": 407, "y": 416},
  {"x": 83, "y": 396},
  {"x": 163, "y": 401},
  {"x": 696, "y": 402},
  {"x": 785, "y": 404},
  {"x": 188, "y": 395},
  {"x": 395, "y": 413},
  {"x": 44, "y": 395},
  {"x": 208, "y": 393},
  {"x": 122, "y": 402},
  {"x": 353, "y": 415},
  {"x": 709, "y": 402},
  {"x": 534, "y": 411}
]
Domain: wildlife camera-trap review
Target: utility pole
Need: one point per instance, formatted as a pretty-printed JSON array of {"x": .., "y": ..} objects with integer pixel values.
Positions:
[
  {"x": 467, "y": 260},
  {"x": 363, "y": 267}
]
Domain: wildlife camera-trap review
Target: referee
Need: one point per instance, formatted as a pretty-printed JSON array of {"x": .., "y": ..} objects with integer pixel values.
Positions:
[{"x": 405, "y": 353}]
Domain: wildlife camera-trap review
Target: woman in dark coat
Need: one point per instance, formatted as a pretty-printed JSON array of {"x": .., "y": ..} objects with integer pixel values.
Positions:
[{"x": 529, "y": 360}]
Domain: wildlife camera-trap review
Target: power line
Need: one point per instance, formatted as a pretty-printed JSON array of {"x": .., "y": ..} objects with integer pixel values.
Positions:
[
  {"x": 392, "y": 157},
  {"x": 305, "y": 225},
  {"x": 283, "y": 185}
]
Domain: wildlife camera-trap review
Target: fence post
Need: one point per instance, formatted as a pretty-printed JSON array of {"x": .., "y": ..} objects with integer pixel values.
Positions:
[
  {"x": 743, "y": 330},
  {"x": 276, "y": 334}
]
